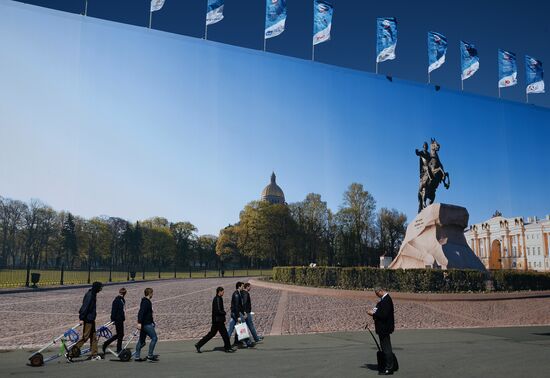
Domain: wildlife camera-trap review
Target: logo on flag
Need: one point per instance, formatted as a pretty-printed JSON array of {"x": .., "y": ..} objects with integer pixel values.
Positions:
[
  {"x": 386, "y": 38},
  {"x": 534, "y": 75},
  {"x": 469, "y": 59},
  {"x": 507, "y": 69},
  {"x": 156, "y": 5},
  {"x": 214, "y": 11},
  {"x": 322, "y": 21},
  {"x": 437, "y": 49},
  {"x": 275, "y": 18}
]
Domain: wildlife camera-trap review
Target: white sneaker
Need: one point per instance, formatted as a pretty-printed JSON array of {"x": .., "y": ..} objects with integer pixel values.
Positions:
[{"x": 96, "y": 358}]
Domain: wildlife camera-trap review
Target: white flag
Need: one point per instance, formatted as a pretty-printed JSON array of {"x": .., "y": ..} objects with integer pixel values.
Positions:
[{"x": 156, "y": 5}]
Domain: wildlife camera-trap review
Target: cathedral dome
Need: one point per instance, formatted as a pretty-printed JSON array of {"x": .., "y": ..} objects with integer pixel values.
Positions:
[{"x": 273, "y": 193}]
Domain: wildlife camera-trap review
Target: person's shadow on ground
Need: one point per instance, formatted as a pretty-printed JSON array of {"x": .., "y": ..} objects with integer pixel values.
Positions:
[{"x": 370, "y": 366}]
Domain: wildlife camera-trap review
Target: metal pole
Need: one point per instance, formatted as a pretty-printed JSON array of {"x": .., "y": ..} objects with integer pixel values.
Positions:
[
  {"x": 526, "y": 97},
  {"x": 150, "y": 19},
  {"x": 313, "y": 53},
  {"x": 377, "y": 67},
  {"x": 499, "y": 92},
  {"x": 429, "y": 78},
  {"x": 28, "y": 274},
  {"x": 86, "y": 8},
  {"x": 265, "y": 42},
  {"x": 462, "y": 84},
  {"x": 206, "y": 32}
]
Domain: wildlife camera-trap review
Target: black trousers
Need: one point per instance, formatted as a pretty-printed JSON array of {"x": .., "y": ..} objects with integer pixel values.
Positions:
[
  {"x": 216, "y": 327},
  {"x": 118, "y": 336},
  {"x": 385, "y": 344}
]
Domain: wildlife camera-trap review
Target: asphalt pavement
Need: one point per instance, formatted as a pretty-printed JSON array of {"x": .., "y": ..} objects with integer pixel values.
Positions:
[{"x": 473, "y": 352}]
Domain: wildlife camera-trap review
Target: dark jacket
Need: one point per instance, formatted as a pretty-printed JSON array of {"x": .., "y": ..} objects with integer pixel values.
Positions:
[
  {"x": 117, "y": 309},
  {"x": 87, "y": 312},
  {"x": 236, "y": 305},
  {"x": 218, "y": 313},
  {"x": 145, "y": 314},
  {"x": 384, "y": 323},
  {"x": 247, "y": 305}
]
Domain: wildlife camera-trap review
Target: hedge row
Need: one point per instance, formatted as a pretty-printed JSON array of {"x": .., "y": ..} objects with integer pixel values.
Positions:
[
  {"x": 411, "y": 280},
  {"x": 509, "y": 280}
]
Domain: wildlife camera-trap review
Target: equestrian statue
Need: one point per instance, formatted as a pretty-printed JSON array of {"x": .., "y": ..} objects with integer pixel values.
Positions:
[{"x": 431, "y": 174}]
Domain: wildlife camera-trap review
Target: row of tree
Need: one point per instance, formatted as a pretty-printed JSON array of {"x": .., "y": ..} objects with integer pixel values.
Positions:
[
  {"x": 309, "y": 232},
  {"x": 35, "y": 235}
]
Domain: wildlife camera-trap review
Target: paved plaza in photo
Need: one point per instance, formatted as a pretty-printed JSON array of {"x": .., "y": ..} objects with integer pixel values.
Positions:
[{"x": 309, "y": 332}]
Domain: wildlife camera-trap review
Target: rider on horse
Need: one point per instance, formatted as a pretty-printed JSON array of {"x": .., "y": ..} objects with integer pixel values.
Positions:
[{"x": 431, "y": 174}]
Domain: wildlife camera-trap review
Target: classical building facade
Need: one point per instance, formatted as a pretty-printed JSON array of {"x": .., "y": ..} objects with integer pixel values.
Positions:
[
  {"x": 272, "y": 193},
  {"x": 511, "y": 243}
]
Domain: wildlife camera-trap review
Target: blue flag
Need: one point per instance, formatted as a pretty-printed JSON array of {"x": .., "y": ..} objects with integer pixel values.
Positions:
[
  {"x": 469, "y": 59},
  {"x": 437, "y": 49},
  {"x": 534, "y": 75},
  {"x": 507, "y": 69},
  {"x": 275, "y": 17},
  {"x": 322, "y": 21},
  {"x": 214, "y": 11},
  {"x": 386, "y": 38}
]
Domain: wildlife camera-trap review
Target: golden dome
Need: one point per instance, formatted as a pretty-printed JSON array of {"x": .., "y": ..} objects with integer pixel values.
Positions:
[{"x": 273, "y": 193}]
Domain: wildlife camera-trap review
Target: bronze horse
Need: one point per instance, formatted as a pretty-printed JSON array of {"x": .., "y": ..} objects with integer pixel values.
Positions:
[{"x": 434, "y": 174}]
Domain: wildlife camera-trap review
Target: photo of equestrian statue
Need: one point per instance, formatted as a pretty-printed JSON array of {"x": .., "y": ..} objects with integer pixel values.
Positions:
[
  {"x": 205, "y": 188},
  {"x": 432, "y": 174}
]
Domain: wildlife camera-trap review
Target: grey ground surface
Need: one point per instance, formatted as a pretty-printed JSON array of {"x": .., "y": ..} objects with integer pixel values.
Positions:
[{"x": 478, "y": 352}]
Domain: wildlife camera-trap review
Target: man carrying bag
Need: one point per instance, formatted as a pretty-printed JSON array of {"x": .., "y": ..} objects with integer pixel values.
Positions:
[{"x": 384, "y": 325}]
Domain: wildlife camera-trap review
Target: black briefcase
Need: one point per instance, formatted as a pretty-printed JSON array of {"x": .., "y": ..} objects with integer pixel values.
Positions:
[{"x": 381, "y": 357}]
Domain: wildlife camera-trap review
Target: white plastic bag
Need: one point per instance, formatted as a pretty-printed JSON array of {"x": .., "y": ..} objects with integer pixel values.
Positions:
[{"x": 242, "y": 331}]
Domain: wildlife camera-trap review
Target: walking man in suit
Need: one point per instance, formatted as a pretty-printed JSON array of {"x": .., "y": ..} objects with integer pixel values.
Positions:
[
  {"x": 384, "y": 325},
  {"x": 218, "y": 324}
]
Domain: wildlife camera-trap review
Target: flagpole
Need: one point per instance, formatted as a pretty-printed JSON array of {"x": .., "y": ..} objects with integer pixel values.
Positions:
[
  {"x": 150, "y": 19},
  {"x": 86, "y": 8}
]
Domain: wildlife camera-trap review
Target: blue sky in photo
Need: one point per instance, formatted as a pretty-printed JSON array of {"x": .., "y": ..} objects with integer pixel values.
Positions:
[{"x": 105, "y": 118}]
